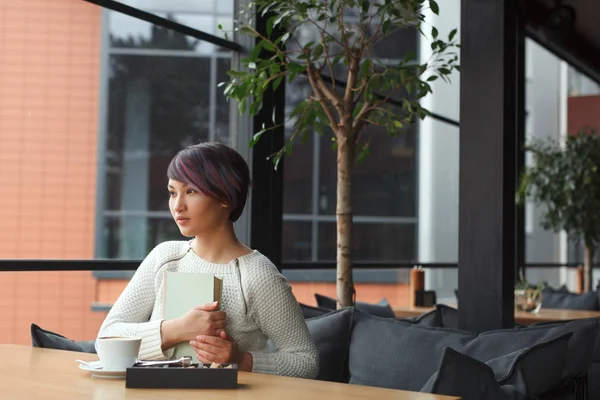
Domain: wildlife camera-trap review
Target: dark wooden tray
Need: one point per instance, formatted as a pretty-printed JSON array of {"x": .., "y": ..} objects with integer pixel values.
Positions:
[{"x": 176, "y": 377}]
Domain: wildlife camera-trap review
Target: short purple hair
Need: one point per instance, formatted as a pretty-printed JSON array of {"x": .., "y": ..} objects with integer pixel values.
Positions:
[{"x": 216, "y": 170}]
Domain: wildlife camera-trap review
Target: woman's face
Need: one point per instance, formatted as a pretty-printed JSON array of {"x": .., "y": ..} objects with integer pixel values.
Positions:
[{"x": 194, "y": 212}]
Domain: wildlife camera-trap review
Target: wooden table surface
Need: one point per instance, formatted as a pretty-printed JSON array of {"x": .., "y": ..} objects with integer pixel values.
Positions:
[
  {"x": 33, "y": 373},
  {"x": 521, "y": 317}
]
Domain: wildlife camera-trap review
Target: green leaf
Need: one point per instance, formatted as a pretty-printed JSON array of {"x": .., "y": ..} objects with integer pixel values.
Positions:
[
  {"x": 386, "y": 27},
  {"x": 409, "y": 56},
  {"x": 452, "y": 34},
  {"x": 434, "y": 32},
  {"x": 295, "y": 67},
  {"x": 362, "y": 152},
  {"x": 432, "y": 78},
  {"x": 434, "y": 7},
  {"x": 256, "y": 137},
  {"x": 277, "y": 82},
  {"x": 317, "y": 51},
  {"x": 283, "y": 39},
  {"x": 268, "y": 46},
  {"x": 274, "y": 69},
  {"x": 270, "y": 23}
]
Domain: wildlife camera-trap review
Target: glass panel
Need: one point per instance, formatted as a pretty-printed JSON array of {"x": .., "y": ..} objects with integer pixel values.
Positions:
[
  {"x": 158, "y": 103},
  {"x": 221, "y": 129},
  {"x": 179, "y": 5},
  {"x": 296, "y": 241},
  {"x": 157, "y": 106},
  {"x": 384, "y": 183},
  {"x": 298, "y": 168},
  {"x": 372, "y": 241},
  {"x": 131, "y": 237},
  {"x": 129, "y": 32},
  {"x": 560, "y": 101}
]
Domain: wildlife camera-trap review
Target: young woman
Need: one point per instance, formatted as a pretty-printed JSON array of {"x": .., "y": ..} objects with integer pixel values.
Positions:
[{"x": 207, "y": 188}]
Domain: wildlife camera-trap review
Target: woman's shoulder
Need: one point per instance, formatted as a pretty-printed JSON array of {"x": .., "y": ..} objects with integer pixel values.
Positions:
[
  {"x": 258, "y": 269},
  {"x": 168, "y": 251},
  {"x": 258, "y": 263}
]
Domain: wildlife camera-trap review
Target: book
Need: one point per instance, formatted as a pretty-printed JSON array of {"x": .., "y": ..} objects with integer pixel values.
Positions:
[{"x": 183, "y": 291}]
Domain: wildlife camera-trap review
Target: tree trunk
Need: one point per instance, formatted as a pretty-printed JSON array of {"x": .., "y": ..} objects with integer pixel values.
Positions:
[
  {"x": 587, "y": 268},
  {"x": 345, "y": 162}
]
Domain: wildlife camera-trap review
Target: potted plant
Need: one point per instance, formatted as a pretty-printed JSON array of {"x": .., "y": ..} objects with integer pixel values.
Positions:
[
  {"x": 565, "y": 179},
  {"x": 528, "y": 298},
  {"x": 343, "y": 47}
]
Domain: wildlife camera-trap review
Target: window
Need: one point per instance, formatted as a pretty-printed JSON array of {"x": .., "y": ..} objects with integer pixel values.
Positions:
[
  {"x": 162, "y": 96},
  {"x": 384, "y": 184}
]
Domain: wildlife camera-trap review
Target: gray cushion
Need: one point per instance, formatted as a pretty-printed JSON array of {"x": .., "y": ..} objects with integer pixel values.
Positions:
[
  {"x": 381, "y": 309},
  {"x": 50, "y": 340},
  {"x": 331, "y": 333},
  {"x": 431, "y": 318},
  {"x": 462, "y": 376},
  {"x": 570, "y": 301},
  {"x": 310, "y": 312},
  {"x": 534, "y": 370},
  {"x": 582, "y": 346},
  {"x": 561, "y": 289},
  {"x": 397, "y": 354},
  {"x": 525, "y": 373},
  {"x": 391, "y": 354},
  {"x": 448, "y": 315}
]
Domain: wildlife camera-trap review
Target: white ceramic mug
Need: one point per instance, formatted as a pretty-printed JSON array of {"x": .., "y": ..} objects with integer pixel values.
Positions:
[{"x": 117, "y": 353}]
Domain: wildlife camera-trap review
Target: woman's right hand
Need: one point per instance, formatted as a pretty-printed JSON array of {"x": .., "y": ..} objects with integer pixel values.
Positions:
[{"x": 201, "y": 320}]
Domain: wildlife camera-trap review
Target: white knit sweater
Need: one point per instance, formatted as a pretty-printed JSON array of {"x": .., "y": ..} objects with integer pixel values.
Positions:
[{"x": 258, "y": 300}]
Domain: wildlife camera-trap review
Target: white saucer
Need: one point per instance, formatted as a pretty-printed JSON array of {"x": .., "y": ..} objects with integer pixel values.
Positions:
[{"x": 97, "y": 371}]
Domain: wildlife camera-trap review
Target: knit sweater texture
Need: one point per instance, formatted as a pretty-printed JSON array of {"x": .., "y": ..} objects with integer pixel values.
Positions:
[{"x": 257, "y": 299}]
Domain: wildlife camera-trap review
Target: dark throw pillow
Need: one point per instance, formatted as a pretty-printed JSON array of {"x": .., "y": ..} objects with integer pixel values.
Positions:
[
  {"x": 310, "y": 311},
  {"x": 463, "y": 376},
  {"x": 570, "y": 301},
  {"x": 381, "y": 309},
  {"x": 50, "y": 340},
  {"x": 331, "y": 333},
  {"x": 523, "y": 374}
]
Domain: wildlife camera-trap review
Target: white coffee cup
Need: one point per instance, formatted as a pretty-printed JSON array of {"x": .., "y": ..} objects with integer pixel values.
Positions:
[{"x": 117, "y": 353}]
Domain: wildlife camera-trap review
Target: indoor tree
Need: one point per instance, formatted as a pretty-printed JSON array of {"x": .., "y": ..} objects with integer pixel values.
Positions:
[
  {"x": 346, "y": 32},
  {"x": 565, "y": 180}
]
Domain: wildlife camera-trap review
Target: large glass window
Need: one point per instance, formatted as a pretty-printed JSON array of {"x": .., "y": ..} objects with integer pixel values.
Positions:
[
  {"x": 162, "y": 96},
  {"x": 384, "y": 184}
]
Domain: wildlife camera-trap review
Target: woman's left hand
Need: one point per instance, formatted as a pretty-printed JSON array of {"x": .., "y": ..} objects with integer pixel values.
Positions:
[{"x": 220, "y": 349}]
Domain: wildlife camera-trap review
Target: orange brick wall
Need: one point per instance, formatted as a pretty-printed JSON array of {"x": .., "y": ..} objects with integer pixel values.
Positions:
[
  {"x": 396, "y": 294},
  {"x": 49, "y": 80}
]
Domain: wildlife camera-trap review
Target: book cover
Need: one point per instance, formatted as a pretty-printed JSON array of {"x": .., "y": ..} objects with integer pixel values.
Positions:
[{"x": 184, "y": 291}]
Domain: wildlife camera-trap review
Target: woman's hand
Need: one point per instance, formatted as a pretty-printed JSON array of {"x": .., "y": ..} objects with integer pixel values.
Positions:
[
  {"x": 202, "y": 320},
  {"x": 221, "y": 349}
]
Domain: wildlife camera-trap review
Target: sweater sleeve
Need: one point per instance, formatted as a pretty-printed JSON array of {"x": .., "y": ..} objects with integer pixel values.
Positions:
[
  {"x": 130, "y": 314},
  {"x": 274, "y": 308}
]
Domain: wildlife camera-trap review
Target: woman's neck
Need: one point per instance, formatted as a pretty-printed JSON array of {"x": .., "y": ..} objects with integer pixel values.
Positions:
[{"x": 219, "y": 246}]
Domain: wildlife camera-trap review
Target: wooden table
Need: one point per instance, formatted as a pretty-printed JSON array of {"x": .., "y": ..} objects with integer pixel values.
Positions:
[
  {"x": 521, "y": 317},
  {"x": 31, "y": 373}
]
